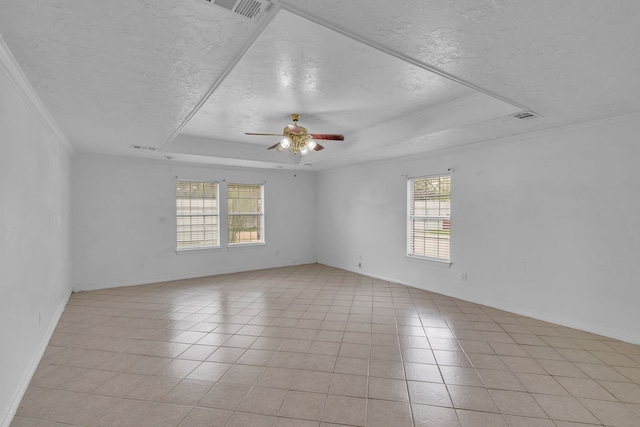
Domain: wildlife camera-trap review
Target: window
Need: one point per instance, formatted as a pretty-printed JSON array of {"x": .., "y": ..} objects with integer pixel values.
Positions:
[
  {"x": 197, "y": 215},
  {"x": 429, "y": 227},
  {"x": 246, "y": 213}
]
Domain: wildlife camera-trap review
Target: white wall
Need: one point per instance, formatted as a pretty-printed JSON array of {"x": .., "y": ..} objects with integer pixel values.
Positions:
[
  {"x": 124, "y": 222},
  {"x": 35, "y": 251},
  {"x": 546, "y": 225}
]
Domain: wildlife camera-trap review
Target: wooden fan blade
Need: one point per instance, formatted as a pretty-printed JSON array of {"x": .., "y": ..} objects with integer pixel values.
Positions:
[
  {"x": 264, "y": 134},
  {"x": 328, "y": 136},
  {"x": 273, "y": 146},
  {"x": 318, "y": 147}
]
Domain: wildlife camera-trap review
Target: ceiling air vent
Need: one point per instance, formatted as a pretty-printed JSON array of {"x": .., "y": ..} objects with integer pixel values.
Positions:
[
  {"x": 247, "y": 8},
  {"x": 144, "y": 147},
  {"x": 525, "y": 115}
]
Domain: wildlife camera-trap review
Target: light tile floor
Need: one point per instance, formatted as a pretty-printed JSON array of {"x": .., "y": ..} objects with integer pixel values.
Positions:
[{"x": 318, "y": 346}]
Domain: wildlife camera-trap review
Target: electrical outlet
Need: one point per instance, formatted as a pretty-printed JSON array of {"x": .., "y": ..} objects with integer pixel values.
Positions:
[
  {"x": 463, "y": 277},
  {"x": 141, "y": 266}
]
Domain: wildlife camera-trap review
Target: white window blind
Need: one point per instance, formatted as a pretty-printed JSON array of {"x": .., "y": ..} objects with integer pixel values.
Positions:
[
  {"x": 197, "y": 215},
  {"x": 246, "y": 213},
  {"x": 429, "y": 227}
]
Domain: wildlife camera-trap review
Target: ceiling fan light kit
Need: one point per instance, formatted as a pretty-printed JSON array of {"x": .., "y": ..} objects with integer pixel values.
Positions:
[{"x": 297, "y": 140}]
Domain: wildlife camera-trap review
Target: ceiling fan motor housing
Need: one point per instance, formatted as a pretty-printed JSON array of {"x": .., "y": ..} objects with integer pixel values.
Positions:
[{"x": 300, "y": 139}]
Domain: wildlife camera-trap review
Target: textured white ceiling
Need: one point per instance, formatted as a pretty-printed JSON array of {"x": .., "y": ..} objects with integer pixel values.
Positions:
[
  {"x": 396, "y": 78},
  {"x": 299, "y": 66}
]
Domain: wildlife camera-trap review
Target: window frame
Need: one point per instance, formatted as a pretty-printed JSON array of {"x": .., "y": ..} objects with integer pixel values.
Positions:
[
  {"x": 260, "y": 214},
  {"x": 411, "y": 217},
  {"x": 214, "y": 214}
]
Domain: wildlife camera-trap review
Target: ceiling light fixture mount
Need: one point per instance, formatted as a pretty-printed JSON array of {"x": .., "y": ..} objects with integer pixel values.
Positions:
[{"x": 297, "y": 140}]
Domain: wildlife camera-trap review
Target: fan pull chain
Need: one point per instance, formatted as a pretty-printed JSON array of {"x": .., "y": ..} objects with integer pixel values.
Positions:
[{"x": 295, "y": 166}]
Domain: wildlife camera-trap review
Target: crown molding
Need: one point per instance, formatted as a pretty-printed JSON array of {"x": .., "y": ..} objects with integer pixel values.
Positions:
[{"x": 12, "y": 70}]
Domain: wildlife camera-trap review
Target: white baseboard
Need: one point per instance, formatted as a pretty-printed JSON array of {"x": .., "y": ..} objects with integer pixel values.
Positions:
[
  {"x": 7, "y": 417},
  {"x": 195, "y": 275}
]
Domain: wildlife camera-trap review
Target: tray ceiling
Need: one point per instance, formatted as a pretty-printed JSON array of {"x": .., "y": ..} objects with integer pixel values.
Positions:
[{"x": 187, "y": 79}]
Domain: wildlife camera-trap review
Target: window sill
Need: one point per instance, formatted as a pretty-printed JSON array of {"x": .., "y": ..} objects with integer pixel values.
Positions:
[
  {"x": 442, "y": 262},
  {"x": 194, "y": 250},
  {"x": 244, "y": 245}
]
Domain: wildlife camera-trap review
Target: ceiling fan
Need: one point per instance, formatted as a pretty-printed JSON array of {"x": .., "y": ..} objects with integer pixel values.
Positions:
[{"x": 296, "y": 138}]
